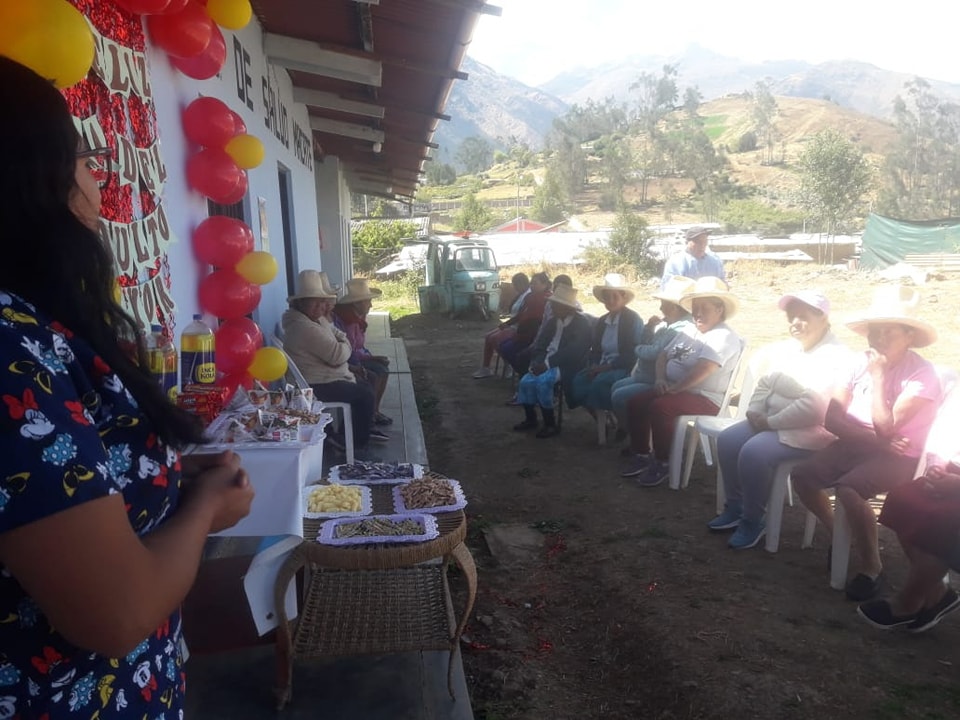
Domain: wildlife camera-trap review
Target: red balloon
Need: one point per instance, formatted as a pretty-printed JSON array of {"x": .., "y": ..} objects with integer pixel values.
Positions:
[
  {"x": 175, "y": 6},
  {"x": 213, "y": 173},
  {"x": 208, "y": 63},
  {"x": 239, "y": 192},
  {"x": 241, "y": 126},
  {"x": 227, "y": 295},
  {"x": 183, "y": 34},
  {"x": 144, "y": 7},
  {"x": 222, "y": 241},
  {"x": 235, "y": 380},
  {"x": 208, "y": 122},
  {"x": 237, "y": 341}
]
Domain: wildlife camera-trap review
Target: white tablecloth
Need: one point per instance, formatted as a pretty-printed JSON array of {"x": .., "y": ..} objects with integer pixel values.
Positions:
[{"x": 278, "y": 472}]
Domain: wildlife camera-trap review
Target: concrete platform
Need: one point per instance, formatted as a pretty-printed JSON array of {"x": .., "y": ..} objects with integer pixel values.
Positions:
[{"x": 238, "y": 684}]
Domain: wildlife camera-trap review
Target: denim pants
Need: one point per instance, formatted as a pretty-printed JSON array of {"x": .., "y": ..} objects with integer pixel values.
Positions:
[
  {"x": 748, "y": 460},
  {"x": 538, "y": 389},
  {"x": 621, "y": 392},
  {"x": 594, "y": 393}
]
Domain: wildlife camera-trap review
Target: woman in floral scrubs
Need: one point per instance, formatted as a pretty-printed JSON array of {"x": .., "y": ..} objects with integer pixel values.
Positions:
[{"x": 101, "y": 523}]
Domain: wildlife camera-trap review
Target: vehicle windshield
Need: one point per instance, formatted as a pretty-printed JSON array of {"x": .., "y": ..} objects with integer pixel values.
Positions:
[{"x": 475, "y": 259}]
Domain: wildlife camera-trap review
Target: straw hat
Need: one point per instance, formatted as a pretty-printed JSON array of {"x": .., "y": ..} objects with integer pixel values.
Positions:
[
  {"x": 312, "y": 284},
  {"x": 712, "y": 287},
  {"x": 895, "y": 304},
  {"x": 613, "y": 281},
  {"x": 675, "y": 288},
  {"x": 563, "y": 294},
  {"x": 358, "y": 289}
]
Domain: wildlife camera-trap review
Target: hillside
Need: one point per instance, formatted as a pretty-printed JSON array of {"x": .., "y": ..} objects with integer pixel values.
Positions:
[{"x": 726, "y": 120}]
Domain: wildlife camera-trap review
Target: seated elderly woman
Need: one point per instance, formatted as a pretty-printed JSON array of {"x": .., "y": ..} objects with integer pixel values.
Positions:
[
  {"x": 559, "y": 351},
  {"x": 657, "y": 334},
  {"x": 881, "y": 419},
  {"x": 350, "y": 315},
  {"x": 321, "y": 352},
  {"x": 518, "y": 331},
  {"x": 925, "y": 514},
  {"x": 615, "y": 336},
  {"x": 692, "y": 375},
  {"x": 795, "y": 380}
]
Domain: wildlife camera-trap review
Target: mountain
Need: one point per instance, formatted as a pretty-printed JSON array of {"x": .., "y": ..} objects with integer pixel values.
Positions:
[{"x": 494, "y": 106}]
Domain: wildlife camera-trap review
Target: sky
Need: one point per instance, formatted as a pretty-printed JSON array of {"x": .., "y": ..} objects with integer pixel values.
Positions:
[{"x": 535, "y": 40}]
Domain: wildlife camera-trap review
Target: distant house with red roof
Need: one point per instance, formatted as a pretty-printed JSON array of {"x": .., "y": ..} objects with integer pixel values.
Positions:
[{"x": 522, "y": 224}]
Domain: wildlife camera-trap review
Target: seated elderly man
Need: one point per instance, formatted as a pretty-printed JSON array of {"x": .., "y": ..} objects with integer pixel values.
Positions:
[
  {"x": 321, "y": 352},
  {"x": 925, "y": 514},
  {"x": 881, "y": 419},
  {"x": 350, "y": 315},
  {"x": 558, "y": 352},
  {"x": 615, "y": 336}
]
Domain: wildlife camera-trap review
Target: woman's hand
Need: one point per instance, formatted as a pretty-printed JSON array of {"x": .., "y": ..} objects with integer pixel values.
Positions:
[
  {"x": 662, "y": 387},
  {"x": 225, "y": 491},
  {"x": 758, "y": 421}
]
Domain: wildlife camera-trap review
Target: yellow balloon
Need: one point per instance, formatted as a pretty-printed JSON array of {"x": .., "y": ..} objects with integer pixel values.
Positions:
[
  {"x": 268, "y": 364},
  {"x": 246, "y": 150},
  {"x": 258, "y": 267},
  {"x": 51, "y": 37},
  {"x": 230, "y": 14}
]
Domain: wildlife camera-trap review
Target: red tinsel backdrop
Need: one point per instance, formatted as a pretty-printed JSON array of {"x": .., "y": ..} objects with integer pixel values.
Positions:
[{"x": 114, "y": 107}]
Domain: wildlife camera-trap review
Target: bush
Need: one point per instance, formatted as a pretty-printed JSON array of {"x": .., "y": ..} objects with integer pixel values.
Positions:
[
  {"x": 377, "y": 241},
  {"x": 628, "y": 248},
  {"x": 748, "y": 142},
  {"x": 741, "y": 216}
]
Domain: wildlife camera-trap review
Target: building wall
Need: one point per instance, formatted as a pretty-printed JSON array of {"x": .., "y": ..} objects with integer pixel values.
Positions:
[{"x": 262, "y": 95}]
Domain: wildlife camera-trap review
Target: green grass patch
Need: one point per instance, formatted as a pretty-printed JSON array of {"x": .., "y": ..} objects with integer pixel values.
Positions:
[{"x": 399, "y": 297}]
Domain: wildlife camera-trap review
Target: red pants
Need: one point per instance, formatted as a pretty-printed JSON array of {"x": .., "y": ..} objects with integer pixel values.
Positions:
[{"x": 651, "y": 414}]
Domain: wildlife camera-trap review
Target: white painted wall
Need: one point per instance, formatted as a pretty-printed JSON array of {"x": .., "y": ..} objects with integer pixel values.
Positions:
[{"x": 260, "y": 94}]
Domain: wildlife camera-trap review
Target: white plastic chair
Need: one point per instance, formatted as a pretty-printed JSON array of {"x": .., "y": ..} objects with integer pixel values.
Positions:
[
  {"x": 781, "y": 491},
  {"x": 708, "y": 427},
  {"x": 687, "y": 423},
  {"x": 343, "y": 407}
]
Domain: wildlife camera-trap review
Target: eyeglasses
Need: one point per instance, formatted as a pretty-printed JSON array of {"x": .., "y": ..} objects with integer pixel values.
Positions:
[{"x": 99, "y": 163}]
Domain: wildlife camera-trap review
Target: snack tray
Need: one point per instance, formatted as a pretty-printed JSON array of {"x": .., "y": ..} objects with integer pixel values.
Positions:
[
  {"x": 366, "y": 505},
  {"x": 459, "y": 504},
  {"x": 427, "y": 522},
  {"x": 335, "y": 477}
]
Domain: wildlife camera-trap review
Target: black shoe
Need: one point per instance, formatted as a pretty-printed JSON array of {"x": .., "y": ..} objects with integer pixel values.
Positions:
[
  {"x": 379, "y": 436},
  {"x": 863, "y": 587},
  {"x": 879, "y": 614},
  {"x": 928, "y": 617},
  {"x": 548, "y": 431},
  {"x": 526, "y": 425}
]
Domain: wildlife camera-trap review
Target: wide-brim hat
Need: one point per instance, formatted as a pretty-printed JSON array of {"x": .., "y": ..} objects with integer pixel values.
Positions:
[
  {"x": 358, "y": 290},
  {"x": 563, "y": 294},
  {"x": 613, "y": 281},
  {"x": 895, "y": 304},
  {"x": 675, "y": 288},
  {"x": 712, "y": 287},
  {"x": 312, "y": 284}
]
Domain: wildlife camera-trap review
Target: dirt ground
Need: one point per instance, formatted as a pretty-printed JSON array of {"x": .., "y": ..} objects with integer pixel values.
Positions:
[{"x": 633, "y": 609}]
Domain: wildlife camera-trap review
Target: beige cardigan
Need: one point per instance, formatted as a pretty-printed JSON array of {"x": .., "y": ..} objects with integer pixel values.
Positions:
[
  {"x": 318, "y": 349},
  {"x": 795, "y": 387}
]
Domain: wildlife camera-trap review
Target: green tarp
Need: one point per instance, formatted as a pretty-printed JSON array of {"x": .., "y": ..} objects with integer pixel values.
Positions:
[{"x": 886, "y": 241}]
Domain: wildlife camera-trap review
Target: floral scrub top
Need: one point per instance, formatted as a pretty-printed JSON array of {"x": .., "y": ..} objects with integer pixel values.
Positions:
[{"x": 69, "y": 433}]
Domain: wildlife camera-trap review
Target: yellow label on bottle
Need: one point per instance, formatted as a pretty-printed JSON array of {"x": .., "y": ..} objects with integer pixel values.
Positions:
[{"x": 206, "y": 373}]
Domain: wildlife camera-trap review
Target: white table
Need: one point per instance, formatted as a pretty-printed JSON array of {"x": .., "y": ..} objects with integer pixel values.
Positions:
[{"x": 278, "y": 472}]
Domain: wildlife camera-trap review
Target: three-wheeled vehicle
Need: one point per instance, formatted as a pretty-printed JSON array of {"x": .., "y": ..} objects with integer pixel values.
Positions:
[{"x": 461, "y": 275}]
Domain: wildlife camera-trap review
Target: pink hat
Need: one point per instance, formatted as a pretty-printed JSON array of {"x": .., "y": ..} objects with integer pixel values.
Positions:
[{"x": 814, "y": 298}]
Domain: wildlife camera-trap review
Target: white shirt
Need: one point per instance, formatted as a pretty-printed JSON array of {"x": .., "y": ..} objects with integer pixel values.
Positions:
[{"x": 721, "y": 345}]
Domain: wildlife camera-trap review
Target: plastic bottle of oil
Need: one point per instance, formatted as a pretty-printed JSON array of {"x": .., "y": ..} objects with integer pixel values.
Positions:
[
  {"x": 162, "y": 359},
  {"x": 197, "y": 362}
]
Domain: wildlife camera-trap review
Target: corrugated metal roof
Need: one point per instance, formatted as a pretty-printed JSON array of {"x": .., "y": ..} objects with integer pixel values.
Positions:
[{"x": 418, "y": 46}]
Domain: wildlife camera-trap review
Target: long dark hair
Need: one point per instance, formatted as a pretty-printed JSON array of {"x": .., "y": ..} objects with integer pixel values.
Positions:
[{"x": 49, "y": 257}]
